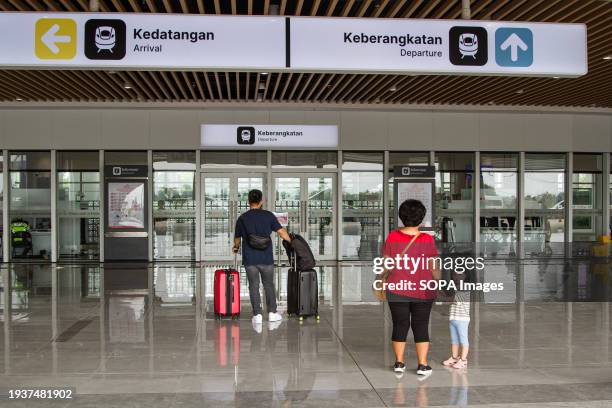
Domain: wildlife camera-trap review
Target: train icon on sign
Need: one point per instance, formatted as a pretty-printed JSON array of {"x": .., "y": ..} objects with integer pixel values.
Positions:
[
  {"x": 468, "y": 45},
  {"x": 245, "y": 135},
  {"x": 105, "y": 38}
]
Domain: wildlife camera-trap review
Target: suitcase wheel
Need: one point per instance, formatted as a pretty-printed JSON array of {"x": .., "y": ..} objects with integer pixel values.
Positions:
[
  {"x": 318, "y": 317},
  {"x": 301, "y": 318}
]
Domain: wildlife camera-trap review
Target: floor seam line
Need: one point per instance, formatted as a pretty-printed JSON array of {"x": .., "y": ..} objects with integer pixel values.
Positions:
[{"x": 356, "y": 364}]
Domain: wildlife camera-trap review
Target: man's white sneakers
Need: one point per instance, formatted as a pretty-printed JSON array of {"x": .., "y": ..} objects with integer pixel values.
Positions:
[
  {"x": 257, "y": 327},
  {"x": 274, "y": 325},
  {"x": 257, "y": 319},
  {"x": 274, "y": 317}
]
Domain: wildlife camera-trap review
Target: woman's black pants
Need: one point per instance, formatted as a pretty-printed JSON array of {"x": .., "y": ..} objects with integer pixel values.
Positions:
[{"x": 407, "y": 314}]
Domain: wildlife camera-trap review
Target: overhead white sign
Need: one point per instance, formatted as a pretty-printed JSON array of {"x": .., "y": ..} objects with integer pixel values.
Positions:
[
  {"x": 438, "y": 46},
  {"x": 269, "y": 136},
  {"x": 138, "y": 40},
  {"x": 257, "y": 43}
]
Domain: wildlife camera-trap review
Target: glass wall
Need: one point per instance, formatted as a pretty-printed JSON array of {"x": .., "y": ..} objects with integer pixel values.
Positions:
[
  {"x": 498, "y": 203},
  {"x": 544, "y": 202},
  {"x": 454, "y": 197},
  {"x": 586, "y": 197},
  {"x": 174, "y": 205},
  {"x": 78, "y": 205},
  {"x": 30, "y": 205},
  {"x": 213, "y": 159},
  {"x": 362, "y": 205},
  {"x": 305, "y": 160},
  {"x": 174, "y": 172}
]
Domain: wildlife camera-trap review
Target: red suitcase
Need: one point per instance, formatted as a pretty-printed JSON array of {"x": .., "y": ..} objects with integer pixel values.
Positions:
[
  {"x": 228, "y": 343},
  {"x": 227, "y": 293}
]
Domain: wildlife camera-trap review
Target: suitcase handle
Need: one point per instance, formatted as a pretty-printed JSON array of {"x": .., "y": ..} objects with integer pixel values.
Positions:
[{"x": 235, "y": 261}]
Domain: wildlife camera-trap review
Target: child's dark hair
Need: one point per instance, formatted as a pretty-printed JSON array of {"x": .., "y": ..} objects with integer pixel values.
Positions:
[{"x": 412, "y": 212}]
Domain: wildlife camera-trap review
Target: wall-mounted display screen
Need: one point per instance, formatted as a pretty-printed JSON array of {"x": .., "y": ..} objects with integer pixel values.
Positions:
[{"x": 126, "y": 209}]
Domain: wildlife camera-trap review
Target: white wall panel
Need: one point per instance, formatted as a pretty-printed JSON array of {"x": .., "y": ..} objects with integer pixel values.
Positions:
[
  {"x": 591, "y": 133},
  {"x": 27, "y": 129},
  {"x": 174, "y": 128},
  {"x": 410, "y": 130},
  {"x": 359, "y": 130},
  {"x": 548, "y": 132},
  {"x": 501, "y": 131},
  {"x": 76, "y": 129},
  {"x": 455, "y": 131},
  {"x": 3, "y": 114},
  {"x": 287, "y": 117},
  {"x": 215, "y": 116},
  {"x": 363, "y": 130},
  {"x": 250, "y": 117},
  {"x": 126, "y": 129}
]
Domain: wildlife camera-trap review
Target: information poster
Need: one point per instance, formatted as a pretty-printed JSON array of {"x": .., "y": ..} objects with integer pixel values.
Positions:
[
  {"x": 283, "y": 218},
  {"x": 416, "y": 190},
  {"x": 126, "y": 205}
]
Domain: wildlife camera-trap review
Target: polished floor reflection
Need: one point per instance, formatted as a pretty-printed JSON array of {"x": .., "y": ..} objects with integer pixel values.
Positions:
[{"x": 136, "y": 335}]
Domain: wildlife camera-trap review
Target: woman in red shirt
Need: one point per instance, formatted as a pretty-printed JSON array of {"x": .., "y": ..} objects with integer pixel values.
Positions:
[{"x": 409, "y": 302}]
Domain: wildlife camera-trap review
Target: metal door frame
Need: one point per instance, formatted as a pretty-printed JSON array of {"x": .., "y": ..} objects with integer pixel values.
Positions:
[
  {"x": 304, "y": 176},
  {"x": 233, "y": 177}
]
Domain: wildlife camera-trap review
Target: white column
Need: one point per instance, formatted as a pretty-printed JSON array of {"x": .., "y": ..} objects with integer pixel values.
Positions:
[
  {"x": 150, "y": 203},
  {"x": 54, "y": 219},
  {"x": 386, "y": 198},
  {"x": 54, "y": 318},
  {"x": 569, "y": 202},
  {"x": 6, "y": 236},
  {"x": 8, "y": 315},
  {"x": 340, "y": 233},
  {"x": 101, "y": 205},
  {"x": 569, "y": 310},
  {"x": 605, "y": 194},
  {"x": 476, "y": 200},
  {"x": 520, "y": 194},
  {"x": 520, "y": 229},
  {"x": 198, "y": 208},
  {"x": 151, "y": 327},
  {"x": 102, "y": 320},
  {"x": 269, "y": 181}
]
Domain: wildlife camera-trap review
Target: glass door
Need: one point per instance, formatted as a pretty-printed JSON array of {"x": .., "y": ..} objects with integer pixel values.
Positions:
[
  {"x": 224, "y": 198},
  {"x": 309, "y": 201}
]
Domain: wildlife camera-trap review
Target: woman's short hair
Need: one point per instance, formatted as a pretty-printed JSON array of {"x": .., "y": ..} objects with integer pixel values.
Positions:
[{"x": 412, "y": 212}]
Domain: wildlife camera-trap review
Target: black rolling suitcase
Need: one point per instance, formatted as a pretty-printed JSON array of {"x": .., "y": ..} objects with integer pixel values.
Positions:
[{"x": 302, "y": 289}]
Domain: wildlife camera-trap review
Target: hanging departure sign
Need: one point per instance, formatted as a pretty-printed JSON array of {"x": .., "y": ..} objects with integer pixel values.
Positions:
[{"x": 438, "y": 46}]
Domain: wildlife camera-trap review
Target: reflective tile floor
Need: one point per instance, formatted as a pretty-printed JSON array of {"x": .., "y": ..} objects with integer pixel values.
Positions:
[{"x": 137, "y": 336}]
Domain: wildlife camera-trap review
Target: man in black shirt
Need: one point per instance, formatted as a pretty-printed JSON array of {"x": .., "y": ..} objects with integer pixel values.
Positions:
[{"x": 253, "y": 227}]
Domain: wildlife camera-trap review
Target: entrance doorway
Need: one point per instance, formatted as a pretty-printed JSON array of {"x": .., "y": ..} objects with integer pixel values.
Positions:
[
  {"x": 309, "y": 200},
  {"x": 224, "y": 198}
]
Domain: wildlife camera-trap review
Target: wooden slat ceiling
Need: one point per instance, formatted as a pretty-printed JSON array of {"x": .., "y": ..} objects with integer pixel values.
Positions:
[{"x": 593, "y": 90}]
